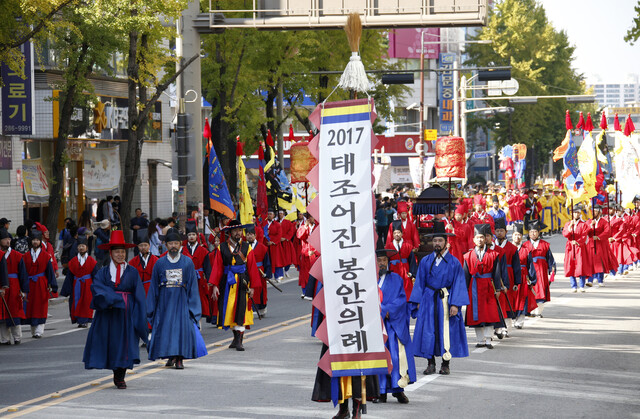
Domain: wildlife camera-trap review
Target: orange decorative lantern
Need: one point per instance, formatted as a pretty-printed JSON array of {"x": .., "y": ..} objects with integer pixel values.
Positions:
[
  {"x": 451, "y": 160},
  {"x": 302, "y": 161},
  {"x": 520, "y": 151}
]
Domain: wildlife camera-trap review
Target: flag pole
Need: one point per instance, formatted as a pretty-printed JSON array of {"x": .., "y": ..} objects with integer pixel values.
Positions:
[
  {"x": 573, "y": 232},
  {"x": 593, "y": 215}
]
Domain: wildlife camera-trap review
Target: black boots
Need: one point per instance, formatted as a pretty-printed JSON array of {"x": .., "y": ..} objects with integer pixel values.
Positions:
[
  {"x": 343, "y": 413},
  {"x": 431, "y": 367},
  {"x": 118, "y": 378},
  {"x": 179, "y": 364},
  {"x": 358, "y": 409},
  {"x": 444, "y": 368},
  {"x": 237, "y": 341}
]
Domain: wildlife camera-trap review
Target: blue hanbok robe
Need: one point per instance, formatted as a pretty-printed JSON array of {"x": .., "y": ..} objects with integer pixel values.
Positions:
[
  {"x": 119, "y": 321},
  {"x": 394, "y": 303},
  {"x": 174, "y": 309},
  {"x": 427, "y": 340}
]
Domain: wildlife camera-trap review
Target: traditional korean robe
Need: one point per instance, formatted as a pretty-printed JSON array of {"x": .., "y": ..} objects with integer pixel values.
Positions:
[
  {"x": 479, "y": 275},
  {"x": 41, "y": 278},
  {"x": 409, "y": 233},
  {"x": 426, "y": 305},
  {"x": 273, "y": 232},
  {"x": 603, "y": 260},
  {"x": 525, "y": 299},
  {"x": 577, "y": 257},
  {"x": 288, "y": 233},
  {"x": 173, "y": 309},
  {"x": 306, "y": 260},
  {"x": 261, "y": 255},
  {"x": 119, "y": 320},
  {"x": 394, "y": 305},
  {"x": 77, "y": 286},
  {"x": 482, "y": 218},
  {"x": 144, "y": 269},
  {"x": 215, "y": 262},
  {"x": 200, "y": 258},
  {"x": 18, "y": 281},
  {"x": 403, "y": 263},
  {"x": 543, "y": 263},
  {"x": 511, "y": 275},
  {"x": 234, "y": 306}
]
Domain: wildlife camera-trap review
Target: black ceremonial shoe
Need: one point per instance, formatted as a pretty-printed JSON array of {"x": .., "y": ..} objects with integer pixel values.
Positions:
[
  {"x": 431, "y": 369},
  {"x": 239, "y": 346},
  {"x": 179, "y": 364},
  {"x": 402, "y": 398},
  {"x": 170, "y": 362},
  {"x": 234, "y": 343},
  {"x": 381, "y": 399}
]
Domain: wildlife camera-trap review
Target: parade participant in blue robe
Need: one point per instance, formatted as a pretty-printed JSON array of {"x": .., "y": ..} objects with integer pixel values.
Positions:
[
  {"x": 173, "y": 307},
  {"x": 394, "y": 310},
  {"x": 440, "y": 284},
  {"x": 119, "y": 319}
]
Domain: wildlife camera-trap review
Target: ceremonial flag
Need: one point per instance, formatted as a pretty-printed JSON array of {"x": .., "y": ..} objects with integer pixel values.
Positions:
[
  {"x": 627, "y": 162},
  {"x": 246, "y": 206},
  {"x": 262, "y": 205},
  {"x": 601, "y": 184},
  {"x": 219, "y": 197},
  {"x": 587, "y": 158},
  {"x": 276, "y": 179},
  {"x": 567, "y": 151}
]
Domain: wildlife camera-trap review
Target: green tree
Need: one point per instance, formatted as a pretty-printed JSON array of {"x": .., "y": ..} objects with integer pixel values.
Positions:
[
  {"x": 541, "y": 59},
  {"x": 634, "y": 32},
  {"x": 21, "y": 21}
]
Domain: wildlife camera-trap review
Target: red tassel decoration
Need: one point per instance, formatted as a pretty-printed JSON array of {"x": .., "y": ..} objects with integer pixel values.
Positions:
[
  {"x": 628, "y": 126},
  {"x": 588, "y": 125},
  {"x": 239, "y": 147},
  {"x": 616, "y": 123},
  {"x": 580, "y": 122},
  {"x": 567, "y": 120},
  {"x": 270, "y": 139},
  {"x": 291, "y": 137},
  {"x": 206, "y": 133},
  {"x": 260, "y": 151},
  {"x": 603, "y": 121}
]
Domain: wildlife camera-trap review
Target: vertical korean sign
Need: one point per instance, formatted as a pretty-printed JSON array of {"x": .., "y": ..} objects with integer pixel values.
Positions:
[
  {"x": 445, "y": 92},
  {"x": 17, "y": 97},
  {"x": 354, "y": 328}
]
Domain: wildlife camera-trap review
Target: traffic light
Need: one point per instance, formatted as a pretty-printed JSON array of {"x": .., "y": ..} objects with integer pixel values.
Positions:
[
  {"x": 397, "y": 78},
  {"x": 488, "y": 75}
]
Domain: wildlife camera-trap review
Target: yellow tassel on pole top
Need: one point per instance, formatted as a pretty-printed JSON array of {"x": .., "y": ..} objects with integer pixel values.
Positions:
[{"x": 354, "y": 76}]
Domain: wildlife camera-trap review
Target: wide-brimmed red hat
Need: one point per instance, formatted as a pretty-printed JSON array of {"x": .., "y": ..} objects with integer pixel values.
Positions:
[{"x": 117, "y": 240}]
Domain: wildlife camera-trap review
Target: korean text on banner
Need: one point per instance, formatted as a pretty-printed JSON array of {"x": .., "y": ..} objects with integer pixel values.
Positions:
[
  {"x": 17, "y": 96},
  {"x": 101, "y": 172},
  {"x": 36, "y": 186},
  {"x": 445, "y": 92},
  {"x": 354, "y": 327}
]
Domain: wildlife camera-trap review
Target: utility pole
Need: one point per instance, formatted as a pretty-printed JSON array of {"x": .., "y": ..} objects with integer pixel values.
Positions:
[{"x": 280, "y": 117}]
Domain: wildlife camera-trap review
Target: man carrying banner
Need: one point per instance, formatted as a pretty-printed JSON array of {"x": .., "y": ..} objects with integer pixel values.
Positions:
[
  {"x": 438, "y": 296},
  {"x": 42, "y": 284},
  {"x": 543, "y": 263},
  {"x": 482, "y": 275},
  {"x": 13, "y": 292},
  {"x": 173, "y": 307},
  {"x": 235, "y": 286},
  {"x": 272, "y": 235},
  {"x": 77, "y": 284},
  {"x": 525, "y": 301},
  {"x": 577, "y": 260}
]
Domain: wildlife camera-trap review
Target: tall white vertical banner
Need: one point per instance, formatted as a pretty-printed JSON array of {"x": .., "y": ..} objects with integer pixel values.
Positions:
[{"x": 349, "y": 270}]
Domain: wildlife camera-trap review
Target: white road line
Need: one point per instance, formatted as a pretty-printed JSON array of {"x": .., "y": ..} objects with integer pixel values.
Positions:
[
  {"x": 421, "y": 382},
  {"x": 69, "y": 331}
]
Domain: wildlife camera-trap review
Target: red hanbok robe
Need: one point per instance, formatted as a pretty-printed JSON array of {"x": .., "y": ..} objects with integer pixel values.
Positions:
[
  {"x": 52, "y": 254},
  {"x": 403, "y": 263},
  {"x": 603, "y": 260},
  {"x": 409, "y": 233},
  {"x": 260, "y": 252},
  {"x": 288, "y": 233},
  {"x": 217, "y": 268},
  {"x": 543, "y": 263},
  {"x": 144, "y": 270},
  {"x": 200, "y": 260},
  {"x": 511, "y": 276},
  {"x": 18, "y": 282},
  {"x": 480, "y": 274},
  {"x": 525, "y": 298},
  {"x": 457, "y": 243},
  {"x": 620, "y": 245},
  {"x": 308, "y": 254},
  {"x": 273, "y": 232},
  {"x": 41, "y": 279},
  {"x": 78, "y": 289},
  {"x": 634, "y": 223},
  {"x": 297, "y": 244},
  {"x": 482, "y": 218},
  {"x": 577, "y": 257}
]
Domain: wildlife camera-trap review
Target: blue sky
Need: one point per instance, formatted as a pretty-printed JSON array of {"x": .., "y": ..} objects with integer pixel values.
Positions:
[{"x": 597, "y": 30}]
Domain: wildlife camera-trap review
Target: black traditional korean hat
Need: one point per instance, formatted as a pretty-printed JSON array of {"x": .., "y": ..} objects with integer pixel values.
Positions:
[
  {"x": 500, "y": 223},
  {"x": 483, "y": 229},
  {"x": 190, "y": 227},
  {"x": 82, "y": 239},
  {"x": 518, "y": 227},
  {"x": 142, "y": 235},
  {"x": 397, "y": 225},
  {"x": 4, "y": 234},
  {"x": 536, "y": 225},
  {"x": 235, "y": 224},
  {"x": 173, "y": 235},
  {"x": 577, "y": 208},
  {"x": 439, "y": 230},
  {"x": 381, "y": 251}
]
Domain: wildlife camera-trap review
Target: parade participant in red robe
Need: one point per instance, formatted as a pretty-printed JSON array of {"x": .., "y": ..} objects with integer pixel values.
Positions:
[
  {"x": 458, "y": 242},
  {"x": 308, "y": 254},
  {"x": 543, "y": 263},
  {"x": 215, "y": 262},
  {"x": 482, "y": 274},
  {"x": 261, "y": 254},
  {"x": 511, "y": 275},
  {"x": 409, "y": 230},
  {"x": 46, "y": 245},
  {"x": 42, "y": 284},
  {"x": 145, "y": 261},
  {"x": 288, "y": 232},
  {"x": 403, "y": 262},
  {"x": 17, "y": 286},
  {"x": 272, "y": 239},
  {"x": 577, "y": 258},
  {"x": 525, "y": 301},
  {"x": 199, "y": 257},
  {"x": 604, "y": 260},
  {"x": 297, "y": 244},
  {"x": 480, "y": 216},
  {"x": 463, "y": 232},
  {"x": 77, "y": 284},
  {"x": 618, "y": 243}
]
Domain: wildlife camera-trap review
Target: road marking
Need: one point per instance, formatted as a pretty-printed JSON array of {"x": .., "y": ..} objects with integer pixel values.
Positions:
[
  {"x": 69, "y": 331},
  {"x": 421, "y": 382},
  {"x": 95, "y": 386}
]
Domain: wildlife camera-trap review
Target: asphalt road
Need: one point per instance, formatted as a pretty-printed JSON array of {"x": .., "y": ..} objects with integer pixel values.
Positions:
[{"x": 580, "y": 360}]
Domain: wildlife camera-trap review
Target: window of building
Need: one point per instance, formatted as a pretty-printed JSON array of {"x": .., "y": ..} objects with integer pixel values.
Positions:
[
  {"x": 5, "y": 178},
  {"x": 408, "y": 120}
]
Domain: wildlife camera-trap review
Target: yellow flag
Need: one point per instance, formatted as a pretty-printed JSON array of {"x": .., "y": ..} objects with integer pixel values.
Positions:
[
  {"x": 588, "y": 166},
  {"x": 246, "y": 206}
]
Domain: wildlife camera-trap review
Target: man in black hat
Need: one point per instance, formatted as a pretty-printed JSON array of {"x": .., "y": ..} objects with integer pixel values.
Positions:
[
  {"x": 200, "y": 257},
  {"x": 437, "y": 299},
  {"x": 511, "y": 279},
  {"x": 543, "y": 263},
  {"x": 525, "y": 301},
  {"x": 77, "y": 284},
  {"x": 234, "y": 287},
  {"x": 272, "y": 239},
  {"x": 483, "y": 278},
  {"x": 396, "y": 322},
  {"x": 173, "y": 306},
  {"x": 144, "y": 261},
  {"x": 13, "y": 289},
  {"x": 403, "y": 261},
  {"x": 496, "y": 212},
  {"x": 604, "y": 259},
  {"x": 5, "y": 223},
  {"x": 577, "y": 258}
]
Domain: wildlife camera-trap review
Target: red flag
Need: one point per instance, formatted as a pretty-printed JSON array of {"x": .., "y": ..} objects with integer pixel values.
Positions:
[
  {"x": 588, "y": 125},
  {"x": 270, "y": 139},
  {"x": 291, "y": 137},
  {"x": 580, "y": 122},
  {"x": 567, "y": 120},
  {"x": 239, "y": 147},
  {"x": 616, "y": 123},
  {"x": 628, "y": 126},
  {"x": 603, "y": 121},
  {"x": 207, "y": 134}
]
